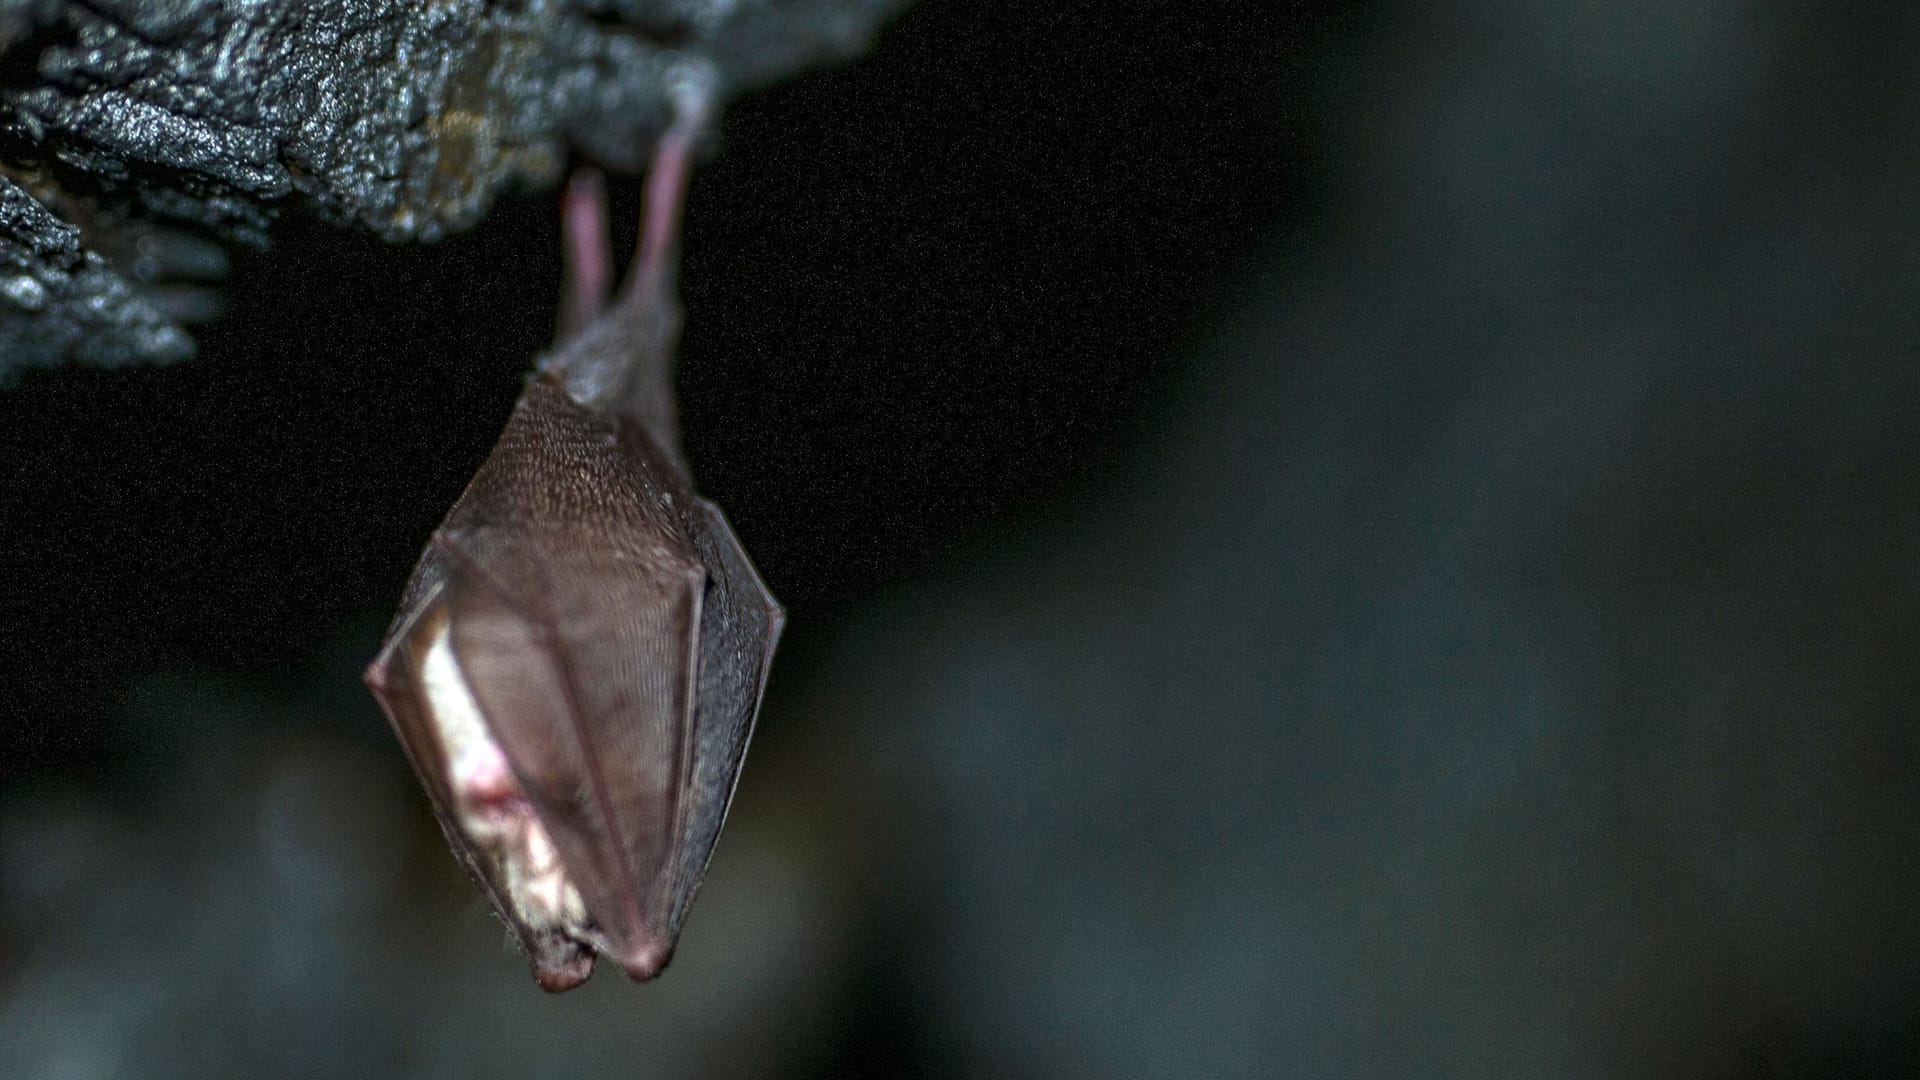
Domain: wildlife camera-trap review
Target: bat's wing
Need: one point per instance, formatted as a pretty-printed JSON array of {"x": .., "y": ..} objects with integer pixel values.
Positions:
[
  {"x": 571, "y": 595},
  {"x": 585, "y": 674},
  {"x": 740, "y": 623},
  {"x": 400, "y": 679}
]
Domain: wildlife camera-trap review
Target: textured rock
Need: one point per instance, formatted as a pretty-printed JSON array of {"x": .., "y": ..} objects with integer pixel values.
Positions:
[
  {"x": 58, "y": 301},
  {"x": 401, "y": 117}
]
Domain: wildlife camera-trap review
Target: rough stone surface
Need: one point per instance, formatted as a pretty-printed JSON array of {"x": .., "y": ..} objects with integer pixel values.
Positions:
[
  {"x": 60, "y": 302},
  {"x": 402, "y": 117}
]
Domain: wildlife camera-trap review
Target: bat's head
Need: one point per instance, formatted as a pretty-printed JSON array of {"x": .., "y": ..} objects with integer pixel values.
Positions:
[{"x": 574, "y": 673}]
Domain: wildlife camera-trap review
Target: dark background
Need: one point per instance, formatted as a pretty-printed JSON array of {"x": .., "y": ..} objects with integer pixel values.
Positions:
[
  {"x": 934, "y": 289},
  {"x": 1325, "y": 540}
]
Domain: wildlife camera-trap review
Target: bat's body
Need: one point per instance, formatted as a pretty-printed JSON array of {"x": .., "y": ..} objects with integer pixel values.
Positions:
[{"x": 579, "y": 656}]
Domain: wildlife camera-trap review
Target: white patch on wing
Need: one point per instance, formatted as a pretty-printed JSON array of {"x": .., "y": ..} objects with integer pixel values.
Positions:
[{"x": 492, "y": 810}]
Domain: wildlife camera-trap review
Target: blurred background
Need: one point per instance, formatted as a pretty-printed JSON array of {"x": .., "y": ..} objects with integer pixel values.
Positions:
[{"x": 1327, "y": 540}]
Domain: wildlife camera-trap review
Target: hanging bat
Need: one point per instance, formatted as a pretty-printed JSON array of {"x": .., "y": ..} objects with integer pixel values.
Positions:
[{"x": 580, "y": 653}]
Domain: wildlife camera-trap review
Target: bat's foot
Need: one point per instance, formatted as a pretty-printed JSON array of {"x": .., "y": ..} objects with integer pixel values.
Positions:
[
  {"x": 692, "y": 89},
  {"x": 589, "y": 259},
  {"x": 583, "y": 212},
  {"x": 618, "y": 358}
]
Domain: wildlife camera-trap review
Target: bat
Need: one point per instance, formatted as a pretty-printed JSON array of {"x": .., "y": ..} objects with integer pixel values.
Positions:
[{"x": 579, "y": 656}]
